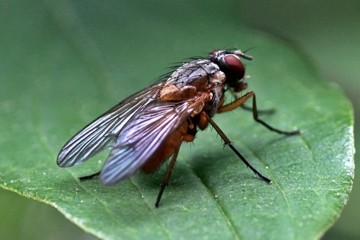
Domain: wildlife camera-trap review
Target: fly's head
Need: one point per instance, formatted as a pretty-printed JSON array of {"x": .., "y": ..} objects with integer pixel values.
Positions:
[{"x": 229, "y": 63}]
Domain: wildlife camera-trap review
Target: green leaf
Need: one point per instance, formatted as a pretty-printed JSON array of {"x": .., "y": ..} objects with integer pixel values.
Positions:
[{"x": 65, "y": 63}]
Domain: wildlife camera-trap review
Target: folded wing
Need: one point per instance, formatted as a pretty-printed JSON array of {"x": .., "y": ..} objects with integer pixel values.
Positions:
[
  {"x": 103, "y": 131},
  {"x": 141, "y": 137}
]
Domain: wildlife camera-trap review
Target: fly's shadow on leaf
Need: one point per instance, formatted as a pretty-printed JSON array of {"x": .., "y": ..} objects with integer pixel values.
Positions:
[{"x": 222, "y": 160}]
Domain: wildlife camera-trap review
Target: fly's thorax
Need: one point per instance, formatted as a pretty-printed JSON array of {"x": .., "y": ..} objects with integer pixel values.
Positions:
[
  {"x": 193, "y": 73},
  {"x": 217, "y": 98},
  {"x": 191, "y": 80},
  {"x": 216, "y": 90}
]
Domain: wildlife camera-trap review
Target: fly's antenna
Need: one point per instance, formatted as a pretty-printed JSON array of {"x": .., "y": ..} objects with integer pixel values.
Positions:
[{"x": 242, "y": 54}]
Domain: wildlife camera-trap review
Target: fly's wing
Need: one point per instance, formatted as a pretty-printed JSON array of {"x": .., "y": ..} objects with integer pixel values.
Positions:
[
  {"x": 141, "y": 137},
  {"x": 103, "y": 131}
]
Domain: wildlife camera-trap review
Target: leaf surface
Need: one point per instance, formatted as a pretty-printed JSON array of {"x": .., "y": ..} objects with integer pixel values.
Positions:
[{"x": 69, "y": 63}]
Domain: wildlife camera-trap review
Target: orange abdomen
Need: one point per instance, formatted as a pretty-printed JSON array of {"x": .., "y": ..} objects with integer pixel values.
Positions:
[{"x": 168, "y": 147}]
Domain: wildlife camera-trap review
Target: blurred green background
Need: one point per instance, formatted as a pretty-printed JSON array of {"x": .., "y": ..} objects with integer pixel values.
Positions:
[{"x": 326, "y": 32}]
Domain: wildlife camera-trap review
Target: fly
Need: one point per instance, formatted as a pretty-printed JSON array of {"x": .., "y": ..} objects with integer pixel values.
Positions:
[{"x": 147, "y": 128}]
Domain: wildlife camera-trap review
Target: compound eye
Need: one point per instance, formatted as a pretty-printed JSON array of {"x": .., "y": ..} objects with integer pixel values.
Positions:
[{"x": 234, "y": 64}]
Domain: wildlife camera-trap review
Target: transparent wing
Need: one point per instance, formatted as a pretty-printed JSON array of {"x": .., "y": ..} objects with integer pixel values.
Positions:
[
  {"x": 103, "y": 131},
  {"x": 141, "y": 137}
]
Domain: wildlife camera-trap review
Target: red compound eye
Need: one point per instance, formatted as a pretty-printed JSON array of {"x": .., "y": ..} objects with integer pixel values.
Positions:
[{"x": 234, "y": 64}]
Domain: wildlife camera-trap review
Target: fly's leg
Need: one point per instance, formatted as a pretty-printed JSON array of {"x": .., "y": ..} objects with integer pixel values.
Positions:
[
  {"x": 262, "y": 111},
  {"x": 166, "y": 178},
  {"x": 247, "y": 108},
  {"x": 240, "y": 101},
  {"x": 84, "y": 178},
  {"x": 228, "y": 142}
]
